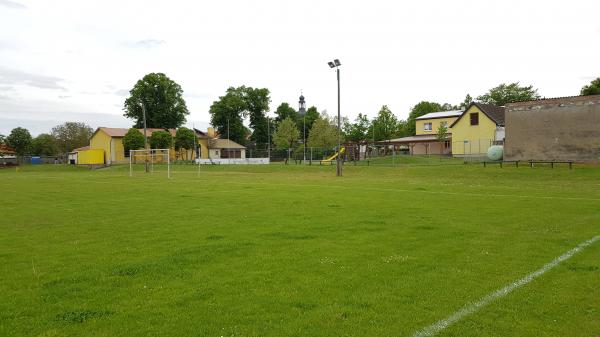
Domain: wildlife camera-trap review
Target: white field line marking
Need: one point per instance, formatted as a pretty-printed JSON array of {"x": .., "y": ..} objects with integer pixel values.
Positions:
[{"x": 473, "y": 307}]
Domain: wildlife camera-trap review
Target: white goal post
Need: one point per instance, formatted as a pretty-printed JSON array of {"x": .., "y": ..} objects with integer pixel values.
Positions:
[{"x": 149, "y": 158}]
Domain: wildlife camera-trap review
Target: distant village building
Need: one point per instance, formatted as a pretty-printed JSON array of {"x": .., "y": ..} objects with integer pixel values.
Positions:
[
  {"x": 208, "y": 146},
  {"x": 476, "y": 129},
  {"x": 425, "y": 140},
  {"x": 470, "y": 132},
  {"x": 302, "y": 105}
]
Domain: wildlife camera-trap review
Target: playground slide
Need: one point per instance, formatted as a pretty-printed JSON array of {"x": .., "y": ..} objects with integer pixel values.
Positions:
[{"x": 335, "y": 155}]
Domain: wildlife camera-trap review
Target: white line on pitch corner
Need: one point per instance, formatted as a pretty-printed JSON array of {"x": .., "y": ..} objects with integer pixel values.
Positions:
[{"x": 473, "y": 307}]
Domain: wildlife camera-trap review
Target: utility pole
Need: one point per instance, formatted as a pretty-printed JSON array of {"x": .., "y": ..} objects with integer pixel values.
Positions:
[
  {"x": 269, "y": 138},
  {"x": 145, "y": 136},
  {"x": 339, "y": 159},
  {"x": 304, "y": 143},
  {"x": 336, "y": 64}
]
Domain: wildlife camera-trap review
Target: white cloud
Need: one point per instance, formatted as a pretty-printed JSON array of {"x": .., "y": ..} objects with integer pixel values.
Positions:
[
  {"x": 16, "y": 77},
  {"x": 12, "y": 4},
  {"x": 122, "y": 92},
  {"x": 393, "y": 52},
  {"x": 148, "y": 43}
]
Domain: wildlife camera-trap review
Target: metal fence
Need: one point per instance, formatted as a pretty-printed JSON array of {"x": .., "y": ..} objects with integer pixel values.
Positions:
[
  {"x": 26, "y": 160},
  {"x": 379, "y": 154}
]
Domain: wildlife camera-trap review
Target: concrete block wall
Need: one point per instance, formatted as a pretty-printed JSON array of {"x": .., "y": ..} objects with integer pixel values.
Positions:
[{"x": 566, "y": 128}]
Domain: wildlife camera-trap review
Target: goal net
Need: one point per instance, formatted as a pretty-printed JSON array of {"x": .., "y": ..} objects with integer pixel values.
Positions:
[{"x": 151, "y": 161}]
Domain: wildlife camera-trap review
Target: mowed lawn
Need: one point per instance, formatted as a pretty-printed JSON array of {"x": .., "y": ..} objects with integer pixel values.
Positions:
[{"x": 294, "y": 251}]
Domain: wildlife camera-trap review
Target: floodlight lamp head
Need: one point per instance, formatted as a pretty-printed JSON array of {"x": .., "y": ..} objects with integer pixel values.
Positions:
[
  {"x": 331, "y": 65},
  {"x": 337, "y": 62}
]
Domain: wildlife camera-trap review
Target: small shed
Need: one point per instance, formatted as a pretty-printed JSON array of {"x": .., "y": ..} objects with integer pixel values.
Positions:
[
  {"x": 86, "y": 156},
  {"x": 226, "y": 148}
]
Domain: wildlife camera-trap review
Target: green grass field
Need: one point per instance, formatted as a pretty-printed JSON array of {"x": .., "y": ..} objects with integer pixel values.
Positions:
[{"x": 294, "y": 251}]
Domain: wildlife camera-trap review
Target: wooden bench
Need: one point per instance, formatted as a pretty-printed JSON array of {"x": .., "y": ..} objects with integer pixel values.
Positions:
[
  {"x": 551, "y": 162},
  {"x": 531, "y": 162},
  {"x": 501, "y": 162}
]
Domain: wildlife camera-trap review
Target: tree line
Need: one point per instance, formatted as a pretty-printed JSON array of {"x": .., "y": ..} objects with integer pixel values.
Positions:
[
  {"x": 161, "y": 99},
  {"x": 61, "y": 139},
  {"x": 288, "y": 126},
  {"x": 184, "y": 140}
]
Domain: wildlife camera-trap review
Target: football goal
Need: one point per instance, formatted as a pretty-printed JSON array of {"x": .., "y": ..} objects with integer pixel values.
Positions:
[{"x": 154, "y": 161}]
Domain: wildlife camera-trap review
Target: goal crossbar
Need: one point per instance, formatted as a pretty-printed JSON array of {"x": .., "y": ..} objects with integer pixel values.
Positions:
[{"x": 150, "y": 157}]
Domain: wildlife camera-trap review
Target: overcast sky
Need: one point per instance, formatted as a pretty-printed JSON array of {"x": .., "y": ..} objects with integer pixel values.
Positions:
[{"x": 76, "y": 60}]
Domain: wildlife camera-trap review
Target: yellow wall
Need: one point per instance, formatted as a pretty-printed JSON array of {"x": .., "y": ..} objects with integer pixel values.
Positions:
[
  {"x": 118, "y": 152},
  {"x": 112, "y": 146},
  {"x": 472, "y": 139},
  {"x": 114, "y": 153},
  {"x": 90, "y": 157},
  {"x": 435, "y": 124},
  {"x": 203, "y": 142},
  {"x": 101, "y": 141},
  {"x": 191, "y": 154}
]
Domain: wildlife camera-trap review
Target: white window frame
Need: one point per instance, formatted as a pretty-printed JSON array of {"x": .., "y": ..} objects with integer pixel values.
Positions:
[{"x": 426, "y": 125}]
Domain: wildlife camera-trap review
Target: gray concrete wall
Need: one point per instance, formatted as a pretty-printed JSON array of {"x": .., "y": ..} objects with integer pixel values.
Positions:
[{"x": 554, "y": 129}]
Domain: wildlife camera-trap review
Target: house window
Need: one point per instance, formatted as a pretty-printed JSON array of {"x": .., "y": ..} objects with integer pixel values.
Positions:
[
  {"x": 447, "y": 144},
  {"x": 231, "y": 153},
  {"x": 443, "y": 124},
  {"x": 427, "y": 126},
  {"x": 474, "y": 118}
]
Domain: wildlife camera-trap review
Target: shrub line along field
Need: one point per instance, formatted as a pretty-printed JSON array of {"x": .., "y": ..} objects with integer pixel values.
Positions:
[{"x": 279, "y": 250}]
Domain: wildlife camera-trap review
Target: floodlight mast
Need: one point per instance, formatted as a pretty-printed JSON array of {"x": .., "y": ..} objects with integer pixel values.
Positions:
[
  {"x": 145, "y": 135},
  {"x": 335, "y": 64}
]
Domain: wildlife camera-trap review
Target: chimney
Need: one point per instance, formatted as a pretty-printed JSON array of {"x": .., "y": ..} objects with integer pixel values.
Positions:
[{"x": 211, "y": 132}]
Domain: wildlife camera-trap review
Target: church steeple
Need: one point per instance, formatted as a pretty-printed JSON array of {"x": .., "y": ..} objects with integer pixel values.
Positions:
[{"x": 301, "y": 105}]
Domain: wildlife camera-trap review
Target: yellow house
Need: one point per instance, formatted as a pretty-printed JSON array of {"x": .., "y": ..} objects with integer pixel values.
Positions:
[
  {"x": 426, "y": 129},
  {"x": 110, "y": 140},
  {"x": 478, "y": 128},
  {"x": 429, "y": 124}
]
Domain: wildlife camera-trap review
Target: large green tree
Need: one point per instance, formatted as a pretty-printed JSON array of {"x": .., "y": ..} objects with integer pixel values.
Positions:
[
  {"x": 185, "y": 139},
  {"x": 509, "y": 93},
  {"x": 385, "y": 124},
  {"x": 283, "y": 111},
  {"x": 226, "y": 116},
  {"x": 44, "y": 145},
  {"x": 161, "y": 140},
  {"x": 20, "y": 140},
  {"x": 591, "y": 89},
  {"x": 312, "y": 114},
  {"x": 162, "y": 99},
  {"x": 402, "y": 129},
  {"x": 71, "y": 135},
  {"x": 323, "y": 134},
  {"x": 133, "y": 140},
  {"x": 287, "y": 134},
  {"x": 228, "y": 113},
  {"x": 359, "y": 130},
  {"x": 257, "y": 105}
]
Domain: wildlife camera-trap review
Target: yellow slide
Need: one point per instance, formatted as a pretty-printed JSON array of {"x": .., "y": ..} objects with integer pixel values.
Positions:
[{"x": 335, "y": 155}]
